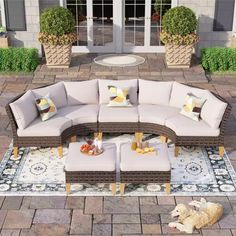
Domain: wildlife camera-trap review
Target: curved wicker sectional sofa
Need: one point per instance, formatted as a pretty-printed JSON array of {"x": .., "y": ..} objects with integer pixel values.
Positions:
[{"x": 82, "y": 109}]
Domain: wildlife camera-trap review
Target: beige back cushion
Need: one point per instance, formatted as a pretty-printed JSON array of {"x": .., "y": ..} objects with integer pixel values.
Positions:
[
  {"x": 84, "y": 92},
  {"x": 56, "y": 92},
  {"x": 156, "y": 93},
  {"x": 24, "y": 110},
  {"x": 180, "y": 91},
  {"x": 104, "y": 96},
  {"x": 213, "y": 110}
]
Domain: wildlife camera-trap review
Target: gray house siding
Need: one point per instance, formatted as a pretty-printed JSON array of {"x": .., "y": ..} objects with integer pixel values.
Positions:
[
  {"x": 29, "y": 37},
  {"x": 205, "y": 11},
  {"x": 43, "y": 4}
]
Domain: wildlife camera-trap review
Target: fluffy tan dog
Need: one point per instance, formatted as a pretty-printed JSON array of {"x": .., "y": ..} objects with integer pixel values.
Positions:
[{"x": 188, "y": 219}]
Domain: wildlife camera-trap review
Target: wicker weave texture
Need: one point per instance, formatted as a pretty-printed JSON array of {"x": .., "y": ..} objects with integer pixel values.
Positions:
[
  {"x": 178, "y": 54},
  {"x": 57, "y": 55},
  {"x": 144, "y": 177},
  {"x": 90, "y": 177}
]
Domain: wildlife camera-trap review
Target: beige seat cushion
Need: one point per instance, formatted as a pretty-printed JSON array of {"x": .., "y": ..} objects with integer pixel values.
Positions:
[
  {"x": 56, "y": 92},
  {"x": 80, "y": 114},
  {"x": 52, "y": 127},
  {"x": 152, "y": 92},
  {"x": 184, "y": 126},
  {"x": 213, "y": 110},
  {"x": 156, "y": 114},
  {"x": 104, "y": 95},
  {"x": 77, "y": 161},
  {"x": 24, "y": 110},
  {"x": 118, "y": 114},
  {"x": 131, "y": 161},
  {"x": 180, "y": 91},
  {"x": 82, "y": 92}
]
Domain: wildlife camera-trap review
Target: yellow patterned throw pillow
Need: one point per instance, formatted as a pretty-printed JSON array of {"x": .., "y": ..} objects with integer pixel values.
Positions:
[
  {"x": 46, "y": 108},
  {"x": 193, "y": 106},
  {"x": 119, "y": 97}
]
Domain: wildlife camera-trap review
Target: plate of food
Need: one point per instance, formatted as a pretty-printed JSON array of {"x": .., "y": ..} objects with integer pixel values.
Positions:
[{"x": 91, "y": 150}]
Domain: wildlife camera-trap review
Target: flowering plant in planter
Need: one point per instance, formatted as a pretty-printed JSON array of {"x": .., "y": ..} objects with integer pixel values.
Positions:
[
  {"x": 57, "y": 35},
  {"x": 178, "y": 35}
]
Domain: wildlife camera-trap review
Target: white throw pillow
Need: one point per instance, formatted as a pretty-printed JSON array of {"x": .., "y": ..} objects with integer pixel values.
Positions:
[
  {"x": 180, "y": 91},
  {"x": 104, "y": 96},
  {"x": 213, "y": 110},
  {"x": 154, "y": 93},
  {"x": 56, "y": 91},
  {"x": 82, "y": 92},
  {"x": 24, "y": 110}
]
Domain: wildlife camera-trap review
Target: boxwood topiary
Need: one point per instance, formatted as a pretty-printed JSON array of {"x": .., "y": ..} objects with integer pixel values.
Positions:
[
  {"x": 57, "y": 21},
  {"x": 179, "y": 21}
]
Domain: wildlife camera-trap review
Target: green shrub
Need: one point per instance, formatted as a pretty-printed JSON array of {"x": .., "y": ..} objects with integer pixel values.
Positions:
[
  {"x": 219, "y": 59},
  {"x": 57, "y": 21},
  {"x": 179, "y": 21},
  {"x": 18, "y": 59}
]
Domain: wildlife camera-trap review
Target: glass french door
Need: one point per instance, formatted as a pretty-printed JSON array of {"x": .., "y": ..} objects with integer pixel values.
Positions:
[
  {"x": 94, "y": 25},
  {"x": 143, "y": 23},
  {"x": 118, "y": 25}
]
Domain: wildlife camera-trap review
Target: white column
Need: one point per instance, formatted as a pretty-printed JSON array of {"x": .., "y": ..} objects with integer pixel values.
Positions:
[
  {"x": 118, "y": 24},
  {"x": 3, "y": 13}
]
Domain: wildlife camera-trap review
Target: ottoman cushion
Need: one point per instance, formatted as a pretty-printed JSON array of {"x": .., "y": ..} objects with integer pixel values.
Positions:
[
  {"x": 77, "y": 161},
  {"x": 131, "y": 161}
]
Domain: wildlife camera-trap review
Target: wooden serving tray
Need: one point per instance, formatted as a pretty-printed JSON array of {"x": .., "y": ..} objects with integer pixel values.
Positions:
[{"x": 95, "y": 154}]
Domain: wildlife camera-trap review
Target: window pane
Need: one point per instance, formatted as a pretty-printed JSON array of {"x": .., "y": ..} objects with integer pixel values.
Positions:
[
  {"x": 15, "y": 14},
  {"x": 224, "y": 14},
  {"x": 79, "y": 11}
]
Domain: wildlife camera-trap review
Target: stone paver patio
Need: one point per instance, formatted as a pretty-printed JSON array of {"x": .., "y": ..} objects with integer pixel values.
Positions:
[{"x": 57, "y": 216}]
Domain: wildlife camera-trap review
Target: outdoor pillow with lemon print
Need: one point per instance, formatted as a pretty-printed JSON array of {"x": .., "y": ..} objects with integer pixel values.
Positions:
[{"x": 119, "y": 97}]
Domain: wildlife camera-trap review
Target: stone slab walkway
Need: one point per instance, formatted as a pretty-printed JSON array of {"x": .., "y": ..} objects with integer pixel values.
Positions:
[
  {"x": 46, "y": 216},
  {"x": 101, "y": 216}
]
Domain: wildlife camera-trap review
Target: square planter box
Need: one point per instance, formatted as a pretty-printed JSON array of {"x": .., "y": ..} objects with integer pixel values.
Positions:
[
  {"x": 178, "y": 56},
  {"x": 4, "y": 42},
  {"x": 58, "y": 56},
  {"x": 233, "y": 42}
]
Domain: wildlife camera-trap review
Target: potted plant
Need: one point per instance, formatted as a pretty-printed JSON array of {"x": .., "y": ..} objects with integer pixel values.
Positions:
[
  {"x": 3, "y": 37},
  {"x": 57, "y": 35},
  {"x": 178, "y": 34}
]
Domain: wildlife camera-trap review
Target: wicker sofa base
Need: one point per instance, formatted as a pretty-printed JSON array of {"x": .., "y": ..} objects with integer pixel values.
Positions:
[
  {"x": 90, "y": 177},
  {"x": 118, "y": 127},
  {"x": 145, "y": 177}
]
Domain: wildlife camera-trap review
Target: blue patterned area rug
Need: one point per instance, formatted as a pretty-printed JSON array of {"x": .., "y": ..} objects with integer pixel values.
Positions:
[{"x": 196, "y": 171}]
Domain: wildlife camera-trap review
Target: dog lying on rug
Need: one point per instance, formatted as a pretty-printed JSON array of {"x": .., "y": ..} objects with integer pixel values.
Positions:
[{"x": 188, "y": 219}]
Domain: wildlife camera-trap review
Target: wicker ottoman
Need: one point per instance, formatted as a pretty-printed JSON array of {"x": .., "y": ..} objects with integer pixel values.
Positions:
[
  {"x": 82, "y": 168},
  {"x": 145, "y": 168}
]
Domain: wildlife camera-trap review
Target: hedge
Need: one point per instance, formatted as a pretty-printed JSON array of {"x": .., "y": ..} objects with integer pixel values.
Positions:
[
  {"x": 219, "y": 59},
  {"x": 18, "y": 59}
]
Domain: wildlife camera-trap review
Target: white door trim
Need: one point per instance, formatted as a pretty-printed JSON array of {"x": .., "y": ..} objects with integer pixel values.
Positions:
[
  {"x": 234, "y": 20},
  {"x": 3, "y": 16}
]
